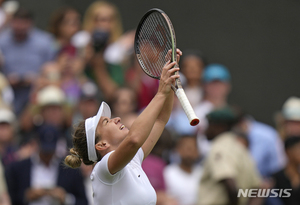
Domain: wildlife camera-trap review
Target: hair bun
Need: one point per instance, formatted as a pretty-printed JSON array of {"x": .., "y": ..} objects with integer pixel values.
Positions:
[{"x": 73, "y": 160}]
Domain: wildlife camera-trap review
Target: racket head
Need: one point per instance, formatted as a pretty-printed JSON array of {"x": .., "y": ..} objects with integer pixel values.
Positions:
[{"x": 154, "y": 39}]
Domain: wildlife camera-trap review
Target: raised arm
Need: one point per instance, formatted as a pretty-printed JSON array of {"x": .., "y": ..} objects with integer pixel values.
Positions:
[
  {"x": 141, "y": 128},
  {"x": 161, "y": 120}
]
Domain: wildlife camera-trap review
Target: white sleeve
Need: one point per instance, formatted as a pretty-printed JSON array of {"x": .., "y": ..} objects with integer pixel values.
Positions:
[
  {"x": 139, "y": 156},
  {"x": 102, "y": 172}
]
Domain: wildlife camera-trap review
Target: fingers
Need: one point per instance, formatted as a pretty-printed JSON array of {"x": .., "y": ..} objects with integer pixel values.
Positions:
[
  {"x": 167, "y": 67},
  {"x": 169, "y": 54}
]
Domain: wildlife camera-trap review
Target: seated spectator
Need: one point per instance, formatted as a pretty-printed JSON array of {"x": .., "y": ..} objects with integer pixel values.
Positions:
[
  {"x": 4, "y": 196},
  {"x": 7, "y": 9},
  {"x": 192, "y": 64},
  {"x": 139, "y": 81},
  {"x": 124, "y": 105},
  {"x": 182, "y": 179},
  {"x": 102, "y": 27},
  {"x": 217, "y": 86},
  {"x": 50, "y": 108},
  {"x": 25, "y": 49},
  {"x": 42, "y": 178},
  {"x": 64, "y": 23},
  {"x": 289, "y": 177},
  {"x": 154, "y": 166},
  {"x": 288, "y": 120},
  {"x": 265, "y": 145},
  {"x": 228, "y": 166},
  {"x": 8, "y": 141},
  {"x": 6, "y": 92},
  {"x": 89, "y": 102}
]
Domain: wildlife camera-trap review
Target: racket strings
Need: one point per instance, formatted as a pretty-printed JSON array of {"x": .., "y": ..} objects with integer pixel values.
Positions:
[{"x": 155, "y": 41}]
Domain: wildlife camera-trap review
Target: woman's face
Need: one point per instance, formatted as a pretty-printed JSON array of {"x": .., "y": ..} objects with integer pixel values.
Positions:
[
  {"x": 104, "y": 19},
  {"x": 192, "y": 68},
  {"x": 112, "y": 130},
  {"x": 70, "y": 24}
]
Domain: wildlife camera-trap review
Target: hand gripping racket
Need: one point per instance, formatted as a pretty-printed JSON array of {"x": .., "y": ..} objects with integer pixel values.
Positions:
[{"x": 154, "y": 45}]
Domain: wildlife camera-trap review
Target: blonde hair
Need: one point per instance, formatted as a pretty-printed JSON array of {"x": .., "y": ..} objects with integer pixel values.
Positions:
[
  {"x": 91, "y": 13},
  {"x": 73, "y": 160},
  {"x": 79, "y": 153}
]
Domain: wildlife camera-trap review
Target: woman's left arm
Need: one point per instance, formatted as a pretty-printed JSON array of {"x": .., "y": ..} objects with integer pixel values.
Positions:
[
  {"x": 160, "y": 122},
  {"x": 159, "y": 125}
]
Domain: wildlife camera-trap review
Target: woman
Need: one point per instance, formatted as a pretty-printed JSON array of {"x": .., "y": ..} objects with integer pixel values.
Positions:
[
  {"x": 64, "y": 24},
  {"x": 117, "y": 177}
]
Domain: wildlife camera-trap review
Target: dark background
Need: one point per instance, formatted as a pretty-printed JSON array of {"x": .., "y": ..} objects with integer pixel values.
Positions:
[{"x": 258, "y": 40}]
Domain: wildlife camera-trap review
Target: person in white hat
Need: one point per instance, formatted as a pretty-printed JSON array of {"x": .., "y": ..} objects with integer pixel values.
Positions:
[
  {"x": 290, "y": 122},
  {"x": 117, "y": 153}
]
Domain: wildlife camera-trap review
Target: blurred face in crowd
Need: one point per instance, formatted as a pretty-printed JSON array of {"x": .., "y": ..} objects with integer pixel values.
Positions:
[
  {"x": 21, "y": 28},
  {"x": 187, "y": 149},
  {"x": 70, "y": 24},
  {"x": 88, "y": 107},
  {"x": 6, "y": 132},
  {"x": 53, "y": 114},
  {"x": 293, "y": 154},
  {"x": 192, "y": 68},
  {"x": 292, "y": 127},
  {"x": 217, "y": 89},
  {"x": 124, "y": 102},
  {"x": 214, "y": 129},
  {"x": 105, "y": 18}
]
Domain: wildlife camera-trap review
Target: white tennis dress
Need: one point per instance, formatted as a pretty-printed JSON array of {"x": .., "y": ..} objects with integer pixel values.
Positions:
[{"x": 130, "y": 186}]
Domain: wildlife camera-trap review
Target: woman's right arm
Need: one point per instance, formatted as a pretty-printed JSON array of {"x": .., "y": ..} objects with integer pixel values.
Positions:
[{"x": 143, "y": 125}]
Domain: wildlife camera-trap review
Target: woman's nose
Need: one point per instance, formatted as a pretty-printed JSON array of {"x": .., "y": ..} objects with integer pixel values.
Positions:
[{"x": 117, "y": 119}]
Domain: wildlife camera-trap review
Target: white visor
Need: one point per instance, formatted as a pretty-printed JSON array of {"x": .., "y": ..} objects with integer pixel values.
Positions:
[{"x": 90, "y": 130}]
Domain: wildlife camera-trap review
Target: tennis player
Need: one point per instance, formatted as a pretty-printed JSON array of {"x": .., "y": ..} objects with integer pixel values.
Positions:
[{"x": 117, "y": 153}]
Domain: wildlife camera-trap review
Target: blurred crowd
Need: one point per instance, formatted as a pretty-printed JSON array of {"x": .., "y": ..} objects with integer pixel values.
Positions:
[{"x": 51, "y": 79}]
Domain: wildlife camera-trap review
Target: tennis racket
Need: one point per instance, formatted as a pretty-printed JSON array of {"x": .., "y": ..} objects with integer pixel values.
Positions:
[{"x": 154, "y": 45}]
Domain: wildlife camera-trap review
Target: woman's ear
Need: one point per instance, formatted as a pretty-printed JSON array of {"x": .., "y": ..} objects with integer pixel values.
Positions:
[{"x": 102, "y": 145}]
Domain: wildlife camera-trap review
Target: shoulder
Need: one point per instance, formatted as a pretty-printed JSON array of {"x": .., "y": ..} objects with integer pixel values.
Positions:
[
  {"x": 40, "y": 35},
  {"x": 5, "y": 35},
  {"x": 19, "y": 166},
  {"x": 171, "y": 169},
  {"x": 263, "y": 129}
]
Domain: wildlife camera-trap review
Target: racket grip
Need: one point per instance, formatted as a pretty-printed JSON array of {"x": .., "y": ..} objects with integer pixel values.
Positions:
[{"x": 185, "y": 103}]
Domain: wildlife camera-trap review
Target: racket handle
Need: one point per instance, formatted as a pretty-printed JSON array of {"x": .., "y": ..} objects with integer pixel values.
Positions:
[{"x": 185, "y": 103}]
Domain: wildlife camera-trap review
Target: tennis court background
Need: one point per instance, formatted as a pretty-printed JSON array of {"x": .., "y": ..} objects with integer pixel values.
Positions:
[{"x": 258, "y": 40}]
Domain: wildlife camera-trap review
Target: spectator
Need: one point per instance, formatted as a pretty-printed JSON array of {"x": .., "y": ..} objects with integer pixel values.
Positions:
[
  {"x": 7, "y": 9},
  {"x": 288, "y": 121},
  {"x": 228, "y": 166},
  {"x": 265, "y": 145},
  {"x": 8, "y": 141},
  {"x": 289, "y": 177},
  {"x": 50, "y": 108},
  {"x": 182, "y": 179},
  {"x": 89, "y": 102},
  {"x": 124, "y": 105},
  {"x": 42, "y": 178},
  {"x": 217, "y": 86},
  {"x": 154, "y": 166},
  {"x": 102, "y": 27},
  {"x": 191, "y": 65},
  {"x": 144, "y": 86},
  {"x": 64, "y": 23},
  {"x": 4, "y": 197},
  {"x": 6, "y": 91},
  {"x": 25, "y": 49}
]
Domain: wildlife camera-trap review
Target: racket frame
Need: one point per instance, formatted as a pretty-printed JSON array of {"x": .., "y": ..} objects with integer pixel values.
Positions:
[{"x": 193, "y": 119}]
